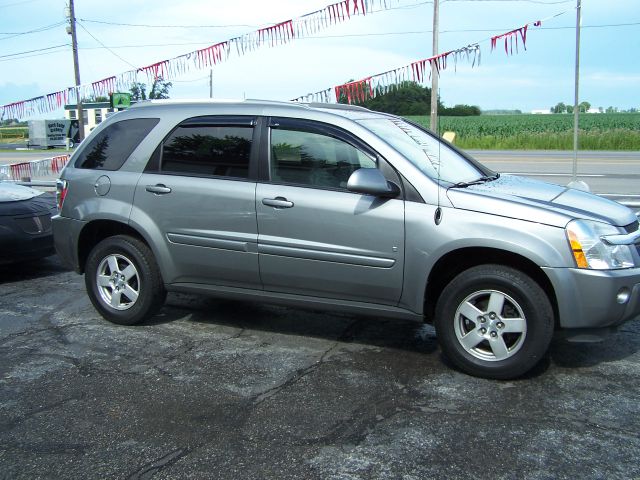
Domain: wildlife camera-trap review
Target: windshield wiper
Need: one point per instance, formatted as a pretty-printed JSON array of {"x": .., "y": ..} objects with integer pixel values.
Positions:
[{"x": 483, "y": 179}]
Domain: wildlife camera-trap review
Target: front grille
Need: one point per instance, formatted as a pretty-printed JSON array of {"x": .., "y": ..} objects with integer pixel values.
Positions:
[{"x": 35, "y": 225}]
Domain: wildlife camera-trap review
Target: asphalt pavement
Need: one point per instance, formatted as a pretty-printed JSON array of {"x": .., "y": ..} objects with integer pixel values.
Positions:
[
  {"x": 603, "y": 172},
  {"x": 231, "y": 390}
]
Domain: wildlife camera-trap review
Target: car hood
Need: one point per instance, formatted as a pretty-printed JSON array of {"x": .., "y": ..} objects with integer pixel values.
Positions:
[
  {"x": 19, "y": 200},
  {"x": 10, "y": 192},
  {"x": 527, "y": 199}
]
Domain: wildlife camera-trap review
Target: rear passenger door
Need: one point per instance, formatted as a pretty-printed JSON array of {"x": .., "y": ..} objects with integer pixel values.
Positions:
[
  {"x": 197, "y": 200},
  {"x": 316, "y": 237}
]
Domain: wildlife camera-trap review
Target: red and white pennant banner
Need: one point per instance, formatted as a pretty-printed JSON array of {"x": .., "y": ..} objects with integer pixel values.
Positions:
[
  {"x": 35, "y": 168},
  {"x": 512, "y": 36},
  {"x": 419, "y": 71},
  {"x": 271, "y": 36}
]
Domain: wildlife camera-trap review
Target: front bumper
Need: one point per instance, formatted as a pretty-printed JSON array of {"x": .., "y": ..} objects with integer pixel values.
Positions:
[
  {"x": 591, "y": 298},
  {"x": 18, "y": 246}
]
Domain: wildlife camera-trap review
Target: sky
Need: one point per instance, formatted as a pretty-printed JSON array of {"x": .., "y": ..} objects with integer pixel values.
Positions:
[{"x": 537, "y": 78}]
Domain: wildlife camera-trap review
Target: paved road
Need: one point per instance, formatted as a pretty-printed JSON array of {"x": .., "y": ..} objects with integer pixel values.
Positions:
[
  {"x": 26, "y": 156},
  {"x": 230, "y": 390},
  {"x": 604, "y": 172}
]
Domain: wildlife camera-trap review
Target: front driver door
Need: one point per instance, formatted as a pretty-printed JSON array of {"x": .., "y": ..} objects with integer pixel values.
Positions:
[{"x": 314, "y": 236}]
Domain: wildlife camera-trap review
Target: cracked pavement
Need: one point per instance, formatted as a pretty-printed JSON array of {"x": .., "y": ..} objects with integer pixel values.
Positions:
[{"x": 225, "y": 389}]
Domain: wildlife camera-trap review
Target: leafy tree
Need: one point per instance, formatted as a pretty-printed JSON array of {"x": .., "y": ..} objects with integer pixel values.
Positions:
[
  {"x": 159, "y": 89},
  {"x": 559, "y": 108},
  {"x": 138, "y": 91},
  {"x": 409, "y": 98},
  {"x": 584, "y": 107},
  {"x": 460, "y": 111},
  {"x": 95, "y": 99}
]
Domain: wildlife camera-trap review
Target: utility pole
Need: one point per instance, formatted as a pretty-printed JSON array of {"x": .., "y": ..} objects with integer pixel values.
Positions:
[
  {"x": 434, "y": 71},
  {"x": 576, "y": 107},
  {"x": 211, "y": 83},
  {"x": 71, "y": 30}
]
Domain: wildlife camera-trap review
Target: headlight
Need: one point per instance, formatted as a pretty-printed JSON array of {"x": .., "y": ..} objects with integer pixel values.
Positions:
[{"x": 590, "y": 251}]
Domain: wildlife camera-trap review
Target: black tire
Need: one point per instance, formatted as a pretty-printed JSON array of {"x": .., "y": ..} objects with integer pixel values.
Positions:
[
  {"x": 509, "y": 342},
  {"x": 127, "y": 267}
]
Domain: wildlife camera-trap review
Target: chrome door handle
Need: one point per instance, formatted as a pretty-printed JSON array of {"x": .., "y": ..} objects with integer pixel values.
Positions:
[
  {"x": 278, "y": 202},
  {"x": 159, "y": 189}
]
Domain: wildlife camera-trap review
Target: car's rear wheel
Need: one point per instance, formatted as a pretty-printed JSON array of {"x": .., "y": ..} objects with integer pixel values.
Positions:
[
  {"x": 494, "y": 321},
  {"x": 123, "y": 280}
]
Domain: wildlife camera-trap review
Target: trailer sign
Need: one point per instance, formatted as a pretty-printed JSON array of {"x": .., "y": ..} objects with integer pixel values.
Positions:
[{"x": 49, "y": 133}]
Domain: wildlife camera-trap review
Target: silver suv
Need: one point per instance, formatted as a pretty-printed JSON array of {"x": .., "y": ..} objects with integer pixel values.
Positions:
[{"x": 341, "y": 208}]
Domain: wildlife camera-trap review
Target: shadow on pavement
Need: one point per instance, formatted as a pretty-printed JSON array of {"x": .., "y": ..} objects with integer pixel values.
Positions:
[
  {"x": 336, "y": 326},
  {"x": 618, "y": 346},
  {"x": 44, "y": 267}
]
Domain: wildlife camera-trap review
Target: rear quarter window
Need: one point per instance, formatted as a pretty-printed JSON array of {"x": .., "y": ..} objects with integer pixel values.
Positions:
[{"x": 112, "y": 146}]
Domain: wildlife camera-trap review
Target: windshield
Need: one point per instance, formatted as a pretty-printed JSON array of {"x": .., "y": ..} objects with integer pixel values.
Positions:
[{"x": 431, "y": 156}]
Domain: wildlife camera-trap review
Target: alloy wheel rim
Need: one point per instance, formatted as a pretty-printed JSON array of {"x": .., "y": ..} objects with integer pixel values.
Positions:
[
  {"x": 118, "y": 282},
  {"x": 490, "y": 325}
]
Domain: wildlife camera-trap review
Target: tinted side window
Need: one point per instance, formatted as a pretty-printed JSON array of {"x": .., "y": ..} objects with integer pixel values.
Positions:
[
  {"x": 315, "y": 159},
  {"x": 112, "y": 146},
  {"x": 208, "y": 150}
]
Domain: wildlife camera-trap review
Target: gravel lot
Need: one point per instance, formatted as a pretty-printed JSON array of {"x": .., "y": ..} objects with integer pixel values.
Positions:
[{"x": 221, "y": 389}]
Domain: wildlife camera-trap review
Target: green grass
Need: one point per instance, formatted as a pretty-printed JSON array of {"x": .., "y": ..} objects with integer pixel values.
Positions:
[
  {"x": 604, "y": 131},
  {"x": 14, "y": 134}
]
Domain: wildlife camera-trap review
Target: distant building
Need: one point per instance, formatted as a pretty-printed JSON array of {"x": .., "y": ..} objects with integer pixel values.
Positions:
[
  {"x": 94, "y": 114},
  {"x": 546, "y": 111}
]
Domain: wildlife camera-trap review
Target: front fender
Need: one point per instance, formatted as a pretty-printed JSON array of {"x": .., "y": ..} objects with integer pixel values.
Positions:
[{"x": 426, "y": 243}]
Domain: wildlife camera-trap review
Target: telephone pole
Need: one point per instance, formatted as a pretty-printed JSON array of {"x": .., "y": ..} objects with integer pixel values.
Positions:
[
  {"x": 434, "y": 71},
  {"x": 71, "y": 30},
  {"x": 575, "y": 183},
  {"x": 576, "y": 104},
  {"x": 211, "y": 83}
]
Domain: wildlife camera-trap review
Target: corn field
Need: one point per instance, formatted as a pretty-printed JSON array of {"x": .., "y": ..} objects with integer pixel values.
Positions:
[
  {"x": 13, "y": 134},
  {"x": 603, "y": 131}
]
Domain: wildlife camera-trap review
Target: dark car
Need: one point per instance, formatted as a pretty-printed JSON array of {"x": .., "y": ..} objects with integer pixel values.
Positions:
[{"x": 25, "y": 223}]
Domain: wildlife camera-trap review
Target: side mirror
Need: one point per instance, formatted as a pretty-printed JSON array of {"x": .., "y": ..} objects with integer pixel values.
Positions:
[{"x": 371, "y": 181}]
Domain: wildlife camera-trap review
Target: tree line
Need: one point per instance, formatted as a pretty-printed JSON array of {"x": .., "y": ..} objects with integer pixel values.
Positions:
[
  {"x": 410, "y": 98},
  {"x": 586, "y": 106}
]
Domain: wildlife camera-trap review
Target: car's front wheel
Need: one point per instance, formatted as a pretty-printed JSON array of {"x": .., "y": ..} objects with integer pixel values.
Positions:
[
  {"x": 123, "y": 280},
  {"x": 494, "y": 321}
]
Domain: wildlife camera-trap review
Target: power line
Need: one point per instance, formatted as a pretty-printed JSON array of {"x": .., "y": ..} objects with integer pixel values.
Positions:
[
  {"x": 36, "y": 54},
  {"x": 376, "y": 34},
  {"x": 144, "y": 25},
  {"x": 148, "y": 25},
  {"x": 35, "y": 30},
  {"x": 17, "y": 3},
  {"x": 37, "y": 50},
  {"x": 109, "y": 49}
]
